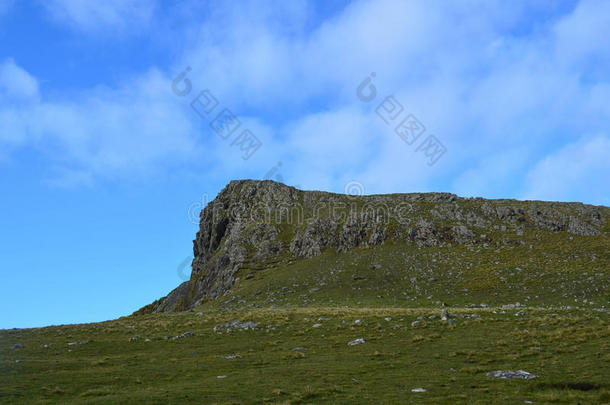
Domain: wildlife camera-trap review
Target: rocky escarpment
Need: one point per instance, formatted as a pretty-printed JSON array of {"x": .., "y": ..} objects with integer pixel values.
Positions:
[{"x": 257, "y": 224}]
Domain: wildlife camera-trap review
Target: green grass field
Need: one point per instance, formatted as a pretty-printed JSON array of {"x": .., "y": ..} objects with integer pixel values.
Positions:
[{"x": 569, "y": 350}]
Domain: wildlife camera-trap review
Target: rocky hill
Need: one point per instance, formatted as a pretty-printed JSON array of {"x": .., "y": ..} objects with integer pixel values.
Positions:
[
  {"x": 261, "y": 224},
  {"x": 305, "y": 297}
]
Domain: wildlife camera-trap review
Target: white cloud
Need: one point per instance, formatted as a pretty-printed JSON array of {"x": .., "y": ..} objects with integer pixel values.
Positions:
[
  {"x": 137, "y": 128},
  {"x": 16, "y": 83},
  {"x": 109, "y": 15},
  {"x": 582, "y": 35},
  {"x": 581, "y": 168}
]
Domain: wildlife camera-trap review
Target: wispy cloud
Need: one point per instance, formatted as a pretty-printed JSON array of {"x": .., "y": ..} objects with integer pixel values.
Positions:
[
  {"x": 16, "y": 83},
  {"x": 108, "y": 16},
  {"x": 580, "y": 168}
]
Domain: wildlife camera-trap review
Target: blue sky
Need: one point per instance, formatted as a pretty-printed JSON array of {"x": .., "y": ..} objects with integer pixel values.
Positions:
[{"x": 101, "y": 161}]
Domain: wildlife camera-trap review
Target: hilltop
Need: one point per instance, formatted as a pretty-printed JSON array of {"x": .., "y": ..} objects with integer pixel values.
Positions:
[{"x": 414, "y": 243}]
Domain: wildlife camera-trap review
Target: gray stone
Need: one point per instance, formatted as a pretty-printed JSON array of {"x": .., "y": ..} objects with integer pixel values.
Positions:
[
  {"x": 415, "y": 323},
  {"x": 84, "y": 342},
  {"x": 184, "y": 335},
  {"x": 510, "y": 374},
  {"x": 235, "y": 325},
  {"x": 355, "y": 342}
]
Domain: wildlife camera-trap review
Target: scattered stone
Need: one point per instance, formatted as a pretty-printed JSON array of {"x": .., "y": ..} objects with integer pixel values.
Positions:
[
  {"x": 230, "y": 356},
  {"x": 388, "y": 319},
  {"x": 418, "y": 390},
  {"x": 510, "y": 374},
  {"x": 521, "y": 313},
  {"x": 314, "y": 290},
  {"x": 316, "y": 325},
  {"x": 237, "y": 325},
  {"x": 475, "y": 315},
  {"x": 355, "y": 342},
  {"x": 415, "y": 324},
  {"x": 199, "y": 314},
  {"x": 184, "y": 335},
  {"x": 45, "y": 346},
  {"x": 147, "y": 340},
  {"x": 18, "y": 346},
  {"x": 357, "y": 321},
  {"x": 134, "y": 339},
  {"x": 221, "y": 376},
  {"x": 298, "y": 349},
  {"x": 444, "y": 315},
  {"x": 80, "y": 343}
]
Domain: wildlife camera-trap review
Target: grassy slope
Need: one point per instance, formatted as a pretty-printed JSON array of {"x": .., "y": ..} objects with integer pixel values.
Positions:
[{"x": 568, "y": 348}]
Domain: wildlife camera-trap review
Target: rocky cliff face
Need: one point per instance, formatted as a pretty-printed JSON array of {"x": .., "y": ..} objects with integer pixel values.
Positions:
[{"x": 257, "y": 224}]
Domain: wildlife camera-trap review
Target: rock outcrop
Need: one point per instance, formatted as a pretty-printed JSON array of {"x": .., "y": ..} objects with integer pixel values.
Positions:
[{"x": 261, "y": 223}]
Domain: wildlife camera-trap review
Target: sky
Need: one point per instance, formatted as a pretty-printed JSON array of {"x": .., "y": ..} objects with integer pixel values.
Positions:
[{"x": 121, "y": 119}]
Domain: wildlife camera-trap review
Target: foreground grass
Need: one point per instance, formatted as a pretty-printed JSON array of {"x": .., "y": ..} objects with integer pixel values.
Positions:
[{"x": 568, "y": 349}]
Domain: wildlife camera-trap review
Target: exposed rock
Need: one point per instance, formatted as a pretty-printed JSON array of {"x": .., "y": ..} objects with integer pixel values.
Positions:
[
  {"x": 184, "y": 335},
  {"x": 80, "y": 343},
  {"x": 355, "y": 342},
  {"x": 415, "y": 323},
  {"x": 521, "y": 313},
  {"x": 298, "y": 349},
  {"x": 235, "y": 325},
  {"x": 418, "y": 390},
  {"x": 511, "y": 374}
]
